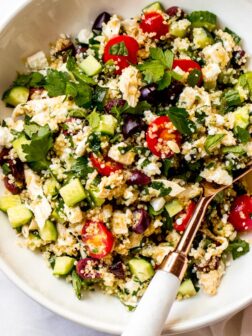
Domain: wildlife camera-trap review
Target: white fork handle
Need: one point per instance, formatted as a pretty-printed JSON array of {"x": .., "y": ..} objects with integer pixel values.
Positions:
[{"x": 153, "y": 309}]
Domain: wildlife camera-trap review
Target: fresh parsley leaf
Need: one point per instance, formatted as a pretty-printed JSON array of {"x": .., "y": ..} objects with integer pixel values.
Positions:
[
  {"x": 237, "y": 150},
  {"x": 94, "y": 143},
  {"x": 165, "y": 57},
  {"x": 212, "y": 141},
  {"x": 194, "y": 77},
  {"x": 31, "y": 129},
  {"x": 77, "y": 113},
  {"x": 238, "y": 248},
  {"x": 76, "y": 71},
  {"x": 153, "y": 71},
  {"x": 200, "y": 117},
  {"x": 71, "y": 89},
  {"x": 242, "y": 134},
  {"x": 36, "y": 152},
  {"x": 33, "y": 79},
  {"x": 6, "y": 169},
  {"x": 165, "y": 81},
  {"x": 139, "y": 109},
  {"x": 167, "y": 164},
  {"x": 179, "y": 118},
  {"x": 81, "y": 168},
  {"x": 99, "y": 97},
  {"x": 84, "y": 95},
  {"x": 119, "y": 49},
  {"x": 77, "y": 284},
  {"x": 56, "y": 82},
  {"x": 160, "y": 186}
]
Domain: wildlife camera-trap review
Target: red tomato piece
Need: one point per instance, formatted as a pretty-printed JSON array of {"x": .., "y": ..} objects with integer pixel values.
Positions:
[
  {"x": 98, "y": 240},
  {"x": 183, "y": 218},
  {"x": 123, "y": 61},
  {"x": 241, "y": 213},
  {"x": 104, "y": 166},
  {"x": 159, "y": 132},
  {"x": 154, "y": 22},
  {"x": 187, "y": 65}
]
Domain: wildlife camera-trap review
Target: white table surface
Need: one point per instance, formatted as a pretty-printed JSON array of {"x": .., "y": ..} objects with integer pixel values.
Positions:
[{"x": 21, "y": 316}]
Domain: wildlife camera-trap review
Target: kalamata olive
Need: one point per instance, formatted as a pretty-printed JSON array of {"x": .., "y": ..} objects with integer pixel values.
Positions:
[
  {"x": 117, "y": 102},
  {"x": 118, "y": 270},
  {"x": 141, "y": 221},
  {"x": 132, "y": 125},
  {"x": 175, "y": 11},
  {"x": 102, "y": 18},
  {"x": 3, "y": 154},
  {"x": 139, "y": 178},
  {"x": 150, "y": 94},
  {"x": 11, "y": 186},
  {"x": 212, "y": 264},
  {"x": 88, "y": 268},
  {"x": 81, "y": 49},
  {"x": 17, "y": 169},
  {"x": 171, "y": 94}
]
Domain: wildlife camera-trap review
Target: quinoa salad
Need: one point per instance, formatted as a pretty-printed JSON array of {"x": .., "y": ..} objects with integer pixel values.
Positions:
[{"x": 109, "y": 137}]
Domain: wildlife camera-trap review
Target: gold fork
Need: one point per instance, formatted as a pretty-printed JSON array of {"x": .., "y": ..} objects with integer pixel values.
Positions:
[{"x": 152, "y": 311}]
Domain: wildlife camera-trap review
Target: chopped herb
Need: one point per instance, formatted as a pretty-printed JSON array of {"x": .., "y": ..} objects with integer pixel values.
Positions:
[
  {"x": 164, "y": 57},
  {"x": 32, "y": 80},
  {"x": 236, "y": 38},
  {"x": 238, "y": 248},
  {"x": 179, "y": 118},
  {"x": 119, "y": 49},
  {"x": 77, "y": 284},
  {"x": 56, "y": 82},
  {"x": 78, "y": 113},
  {"x": 239, "y": 150},
  {"x": 160, "y": 186},
  {"x": 6, "y": 169},
  {"x": 36, "y": 151},
  {"x": 231, "y": 98},
  {"x": 194, "y": 77},
  {"x": 212, "y": 142},
  {"x": 124, "y": 149},
  {"x": 81, "y": 167},
  {"x": 200, "y": 117},
  {"x": 78, "y": 73},
  {"x": 153, "y": 71},
  {"x": 242, "y": 134},
  {"x": 31, "y": 129},
  {"x": 99, "y": 97},
  {"x": 167, "y": 164},
  {"x": 94, "y": 142},
  {"x": 165, "y": 81}
]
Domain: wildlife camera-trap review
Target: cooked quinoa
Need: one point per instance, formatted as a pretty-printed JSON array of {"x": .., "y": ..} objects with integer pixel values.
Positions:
[{"x": 110, "y": 136}]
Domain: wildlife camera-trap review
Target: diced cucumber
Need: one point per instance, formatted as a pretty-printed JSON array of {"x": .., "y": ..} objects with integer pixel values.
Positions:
[
  {"x": 17, "y": 145},
  {"x": 94, "y": 119},
  {"x": 19, "y": 215},
  {"x": 152, "y": 212},
  {"x": 97, "y": 201},
  {"x": 51, "y": 187},
  {"x": 63, "y": 265},
  {"x": 186, "y": 289},
  {"x": 179, "y": 28},
  {"x": 49, "y": 232},
  {"x": 203, "y": 19},
  {"x": 245, "y": 81},
  {"x": 17, "y": 95},
  {"x": 141, "y": 268},
  {"x": 153, "y": 7},
  {"x": 107, "y": 124},
  {"x": 90, "y": 66},
  {"x": 202, "y": 38},
  {"x": 241, "y": 116},
  {"x": 9, "y": 201},
  {"x": 173, "y": 207},
  {"x": 73, "y": 192},
  {"x": 56, "y": 215}
]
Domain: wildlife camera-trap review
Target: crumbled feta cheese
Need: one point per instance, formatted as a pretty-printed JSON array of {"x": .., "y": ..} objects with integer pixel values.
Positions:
[
  {"x": 129, "y": 83},
  {"x": 210, "y": 72},
  {"x": 227, "y": 40},
  {"x": 216, "y": 54},
  {"x": 112, "y": 27},
  {"x": 74, "y": 215},
  {"x": 120, "y": 221},
  {"x": 217, "y": 175},
  {"x": 157, "y": 203},
  {"x": 5, "y": 137},
  {"x": 175, "y": 187},
  {"x": 37, "y": 61},
  {"x": 116, "y": 154},
  {"x": 152, "y": 168},
  {"x": 39, "y": 204}
]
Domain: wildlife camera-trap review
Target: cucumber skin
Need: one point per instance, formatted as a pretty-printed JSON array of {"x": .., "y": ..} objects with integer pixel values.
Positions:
[
  {"x": 49, "y": 232},
  {"x": 19, "y": 216},
  {"x": 63, "y": 265},
  {"x": 203, "y": 19},
  {"x": 17, "y": 95},
  {"x": 9, "y": 201},
  {"x": 90, "y": 66},
  {"x": 73, "y": 192},
  {"x": 141, "y": 268}
]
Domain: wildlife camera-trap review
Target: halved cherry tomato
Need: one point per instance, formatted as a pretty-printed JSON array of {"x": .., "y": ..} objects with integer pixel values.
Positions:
[
  {"x": 187, "y": 65},
  {"x": 159, "y": 132},
  {"x": 98, "y": 240},
  {"x": 183, "y": 217},
  {"x": 153, "y": 22},
  {"x": 241, "y": 213},
  {"x": 123, "y": 61},
  {"x": 104, "y": 166}
]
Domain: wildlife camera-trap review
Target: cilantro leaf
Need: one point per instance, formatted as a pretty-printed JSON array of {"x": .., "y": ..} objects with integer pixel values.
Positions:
[
  {"x": 238, "y": 248},
  {"x": 179, "y": 118},
  {"x": 94, "y": 142},
  {"x": 242, "y": 134},
  {"x": 119, "y": 49},
  {"x": 81, "y": 167},
  {"x": 56, "y": 83},
  {"x": 33, "y": 79},
  {"x": 194, "y": 77},
  {"x": 84, "y": 95},
  {"x": 165, "y": 81},
  {"x": 153, "y": 71},
  {"x": 36, "y": 152},
  {"x": 31, "y": 129}
]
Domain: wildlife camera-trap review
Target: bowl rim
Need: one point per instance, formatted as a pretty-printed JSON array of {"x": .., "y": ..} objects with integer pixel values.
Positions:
[{"x": 179, "y": 327}]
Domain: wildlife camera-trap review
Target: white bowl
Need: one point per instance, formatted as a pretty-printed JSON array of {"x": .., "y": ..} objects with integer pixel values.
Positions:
[{"x": 30, "y": 30}]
